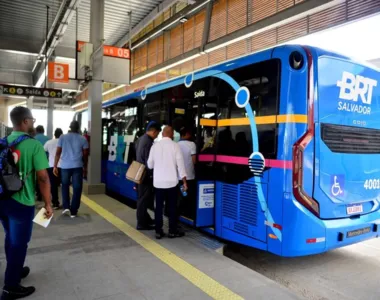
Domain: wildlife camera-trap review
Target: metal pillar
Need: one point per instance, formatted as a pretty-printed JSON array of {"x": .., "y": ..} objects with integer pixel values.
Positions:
[
  {"x": 50, "y": 109},
  {"x": 95, "y": 90},
  {"x": 206, "y": 28},
  {"x": 29, "y": 103}
]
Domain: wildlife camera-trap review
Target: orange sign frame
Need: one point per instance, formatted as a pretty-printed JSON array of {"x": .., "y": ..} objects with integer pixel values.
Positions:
[
  {"x": 58, "y": 72},
  {"x": 110, "y": 51}
]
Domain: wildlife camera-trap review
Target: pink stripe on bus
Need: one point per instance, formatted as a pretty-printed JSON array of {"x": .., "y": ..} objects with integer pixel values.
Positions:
[
  {"x": 206, "y": 157},
  {"x": 238, "y": 160}
]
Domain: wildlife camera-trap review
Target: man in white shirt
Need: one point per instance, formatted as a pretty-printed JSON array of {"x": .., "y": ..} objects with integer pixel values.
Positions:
[
  {"x": 166, "y": 160},
  {"x": 51, "y": 148},
  {"x": 189, "y": 151}
]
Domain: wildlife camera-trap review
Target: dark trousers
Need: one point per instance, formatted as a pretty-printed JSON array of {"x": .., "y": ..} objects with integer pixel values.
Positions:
[
  {"x": 75, "y": 176},
  {"x": 145, "y": 200},
  {"x": 17, "y": 220},
  {"x": 170, "y": 196},
  {"x": 54, "y": 184}
]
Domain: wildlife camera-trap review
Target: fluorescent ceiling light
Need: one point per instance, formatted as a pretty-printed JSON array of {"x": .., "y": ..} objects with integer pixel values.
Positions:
[
  {"x": 41, "y": 80},
  {"x": 156, "y": 33},
  {"x": 64, "y": 58},
  {"x": 165, "y": 68},
  {"x": 198, "y": 7},
  {"x": 79, "y": 104},
  {"x": 19, "y": 52},
  {"x": 339, "y": 39},
  {"x": 273, "y": 25},
  {"x": 113, "y": 89}
]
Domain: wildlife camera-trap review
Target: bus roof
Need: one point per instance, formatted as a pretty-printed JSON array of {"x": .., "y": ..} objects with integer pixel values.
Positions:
[{"x": 226, "y": 66}]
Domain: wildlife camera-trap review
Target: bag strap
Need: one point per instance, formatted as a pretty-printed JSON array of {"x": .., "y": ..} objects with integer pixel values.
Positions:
[{"x": 19, "y": 140}]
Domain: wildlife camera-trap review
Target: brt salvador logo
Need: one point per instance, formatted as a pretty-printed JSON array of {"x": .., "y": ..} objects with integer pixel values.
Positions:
[{"x": 355, "y": 87}]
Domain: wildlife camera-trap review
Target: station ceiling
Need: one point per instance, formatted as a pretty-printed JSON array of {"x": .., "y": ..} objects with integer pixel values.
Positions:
[{"x": 23, "y": 26}]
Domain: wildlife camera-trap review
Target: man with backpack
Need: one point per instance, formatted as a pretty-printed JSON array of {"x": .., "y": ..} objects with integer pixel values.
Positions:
[{"x": 22, "y": 161}]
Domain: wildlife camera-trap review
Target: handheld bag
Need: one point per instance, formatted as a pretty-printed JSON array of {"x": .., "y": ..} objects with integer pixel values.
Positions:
[
  {"x": 10, "y": 180},
  {"x": 136, "y": 172}
]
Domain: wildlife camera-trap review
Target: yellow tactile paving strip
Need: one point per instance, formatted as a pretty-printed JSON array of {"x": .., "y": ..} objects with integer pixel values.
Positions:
[{"x": 205, "y": 283}]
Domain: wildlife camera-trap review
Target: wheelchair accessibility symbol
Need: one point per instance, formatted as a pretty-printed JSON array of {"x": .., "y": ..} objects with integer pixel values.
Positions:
[{"x": 337, "y": 185}]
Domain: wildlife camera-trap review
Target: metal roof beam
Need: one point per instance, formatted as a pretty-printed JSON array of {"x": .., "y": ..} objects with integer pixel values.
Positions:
[
  {"x": 206, "y": 28},
  {"x": 57, "y": 29},
  {"x": 149, "y": 18},
  {"x": 11, "y": 44},
  {"x": 15, "y": 77},
  {"x": 186, "y": 12}
]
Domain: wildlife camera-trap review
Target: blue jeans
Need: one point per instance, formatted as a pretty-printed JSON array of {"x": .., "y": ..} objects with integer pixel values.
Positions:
[
  {"x": 17, "y": 220},
  {"x": 74, "y": 176}
]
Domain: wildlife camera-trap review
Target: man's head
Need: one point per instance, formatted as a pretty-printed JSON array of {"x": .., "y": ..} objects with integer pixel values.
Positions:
[
  {"x": 40, "y": 129},
  {"x": 153, "y": 130},
  {"x": 186, "y": 133},
  {"x": 57, "y": 133},
  {"x": 22, "y": 119},
  {"x": 168, "y": 132},
  {"x": 74, "y": 126}
]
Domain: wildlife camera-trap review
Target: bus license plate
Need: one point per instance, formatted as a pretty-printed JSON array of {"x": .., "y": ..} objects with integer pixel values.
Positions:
[
  {"x": 357, "y": 232},
  {"x": 354, "y": 209}
]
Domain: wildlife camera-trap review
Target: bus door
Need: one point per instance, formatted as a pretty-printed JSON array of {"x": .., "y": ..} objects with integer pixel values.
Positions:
[{"x": 207, "y": 104}]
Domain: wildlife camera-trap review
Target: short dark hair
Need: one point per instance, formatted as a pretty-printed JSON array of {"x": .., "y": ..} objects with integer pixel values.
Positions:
[
  {"x": 185, "y": 130},
  {"x": 154, "y": 126},
  {"x": 74, "y": 126},
  {"x": 19, "y": 114},
  {"x": 40, "y": 129},
  {"x": 58, "y": 132}
]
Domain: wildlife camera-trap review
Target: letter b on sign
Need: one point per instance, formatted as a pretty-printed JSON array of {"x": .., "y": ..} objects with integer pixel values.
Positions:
[{"x": 58, "y": 72}]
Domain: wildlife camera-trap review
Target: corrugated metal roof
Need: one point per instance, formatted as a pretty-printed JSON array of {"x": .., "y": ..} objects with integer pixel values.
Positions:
[
  {"x": 16, "y": 61},
  {"x": 26, "y": 20},
  {"x": 116, "y": 20}
]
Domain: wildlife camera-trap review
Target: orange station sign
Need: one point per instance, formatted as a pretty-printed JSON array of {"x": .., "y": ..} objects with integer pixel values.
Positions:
[
  {"x": 58, "y": 72},
  {"x": 110, "y": 51}
]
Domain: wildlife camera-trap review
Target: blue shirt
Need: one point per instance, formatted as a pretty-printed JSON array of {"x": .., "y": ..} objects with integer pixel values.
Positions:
[
  {"x": 41, "y": 138},
  {"x": 72, "y": 145}
]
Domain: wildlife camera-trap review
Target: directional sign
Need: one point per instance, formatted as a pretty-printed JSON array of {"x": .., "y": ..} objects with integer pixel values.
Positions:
[
  {"x": 109, "y": 50},
  {"x": 29, "y": 91}
]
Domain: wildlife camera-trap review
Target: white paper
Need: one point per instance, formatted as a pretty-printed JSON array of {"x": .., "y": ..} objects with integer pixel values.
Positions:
[{"x": 40, "y": 218}]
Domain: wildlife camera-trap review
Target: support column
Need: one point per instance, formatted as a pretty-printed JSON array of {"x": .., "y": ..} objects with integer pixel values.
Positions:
[
  {"x": 95, "y": 90},
  {"x": 50, "y": 109},
  {"x": 29, "y": 103}
]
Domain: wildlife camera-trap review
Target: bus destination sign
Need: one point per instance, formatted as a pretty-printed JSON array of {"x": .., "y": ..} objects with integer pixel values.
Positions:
[{"x": 29, "y": 91}]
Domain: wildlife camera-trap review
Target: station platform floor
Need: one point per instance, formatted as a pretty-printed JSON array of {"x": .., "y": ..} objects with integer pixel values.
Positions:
[{"x": 100, "y": 255}]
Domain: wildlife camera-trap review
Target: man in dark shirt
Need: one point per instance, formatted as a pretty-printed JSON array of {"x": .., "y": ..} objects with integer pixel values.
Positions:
[{"x": 145, "y": 189}]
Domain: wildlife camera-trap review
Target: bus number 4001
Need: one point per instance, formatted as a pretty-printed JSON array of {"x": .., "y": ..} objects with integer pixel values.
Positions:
[{"x": 372, "y": 184}]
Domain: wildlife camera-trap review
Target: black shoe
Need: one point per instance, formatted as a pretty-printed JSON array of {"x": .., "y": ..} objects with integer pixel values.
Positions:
[
  {"x": 176, "y": 234},
  {"x": 56, "y": 206},
  {"x": 25, "y": 272},
  {"x": 160, "y": 235},
  {"x": 149, "y": 227},
  {"x": 17, "y": 292}
]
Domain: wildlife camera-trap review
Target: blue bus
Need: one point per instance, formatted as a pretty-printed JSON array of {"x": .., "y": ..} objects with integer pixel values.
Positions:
[{"x": 288, "y": 143}]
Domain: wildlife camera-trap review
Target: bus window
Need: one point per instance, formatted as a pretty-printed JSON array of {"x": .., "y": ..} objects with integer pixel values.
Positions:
[{"x": 234, "y": 138}]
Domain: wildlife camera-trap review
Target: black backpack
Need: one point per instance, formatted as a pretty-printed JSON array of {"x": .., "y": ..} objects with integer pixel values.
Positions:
[{"x": 10, "y": 180}]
